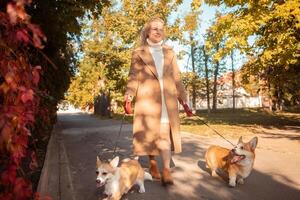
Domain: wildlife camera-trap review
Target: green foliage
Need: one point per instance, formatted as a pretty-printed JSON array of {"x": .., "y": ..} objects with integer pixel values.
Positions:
[
  {"x": 190, "y": 78},
  {"x": 32, "y": 81},
  {"x": 58, "y": 19},
  {"x": 86, "y": 85},
  {"x": 191, "y": 24},
  {"x": 275, "y": 28},
  {"x": 110, "y": 40}
]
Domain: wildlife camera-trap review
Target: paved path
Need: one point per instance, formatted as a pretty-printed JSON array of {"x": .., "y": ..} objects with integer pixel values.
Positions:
[{"x": 78, "y": 138}]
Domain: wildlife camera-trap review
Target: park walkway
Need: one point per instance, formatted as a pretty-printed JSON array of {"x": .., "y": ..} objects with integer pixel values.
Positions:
[{"x": 69, "y": 170}]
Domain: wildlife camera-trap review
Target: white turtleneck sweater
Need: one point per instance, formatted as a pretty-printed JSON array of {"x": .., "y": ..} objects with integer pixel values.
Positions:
[{"x": 158, "y": 57}]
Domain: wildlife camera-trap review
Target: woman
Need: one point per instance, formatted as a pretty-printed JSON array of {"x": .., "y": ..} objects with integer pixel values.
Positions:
[{"x": 154, "y": 81}]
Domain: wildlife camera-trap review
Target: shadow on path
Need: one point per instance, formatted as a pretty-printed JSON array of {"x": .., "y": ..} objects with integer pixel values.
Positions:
[{"x": 85, "y": 137}]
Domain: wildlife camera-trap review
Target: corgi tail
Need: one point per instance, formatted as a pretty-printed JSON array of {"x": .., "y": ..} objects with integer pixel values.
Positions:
[
  {"x": 128, "y": 159},
  {"x": 136, "y": 158},
  {"x": 125, "y": 160},
  {"x": 147, "y": 176}
]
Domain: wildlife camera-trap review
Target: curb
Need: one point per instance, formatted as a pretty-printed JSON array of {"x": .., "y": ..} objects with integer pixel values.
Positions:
[
  {"x": 48, "y": 185},
  {"x": 56, "y": 180}
]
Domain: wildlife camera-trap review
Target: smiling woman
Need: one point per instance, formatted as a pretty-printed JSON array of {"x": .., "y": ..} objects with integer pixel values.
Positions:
[
  {"x": 153, "y": 30},
  {"x": 154, "y": 81}
]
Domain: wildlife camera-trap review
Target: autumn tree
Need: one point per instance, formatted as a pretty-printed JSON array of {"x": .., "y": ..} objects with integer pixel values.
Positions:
[
  {"x": 110, "y": 41},
  {"x": 205, "y": 66},
  {"x": 213, "y": 45},
  {"x": 268, "y": 32},
  {"x": 233, "y": 79},
  {"x": 35, "y": 67},
  {"x": 191, "y": 25}
]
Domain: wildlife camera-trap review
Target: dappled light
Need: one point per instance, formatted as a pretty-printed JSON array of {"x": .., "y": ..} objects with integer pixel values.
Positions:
[
  {"x": 246, "y": 117},
  {"x": 192, "y": 179},
  {"x": 227, "y": 68},
  {"x": 242, "y": 122}
]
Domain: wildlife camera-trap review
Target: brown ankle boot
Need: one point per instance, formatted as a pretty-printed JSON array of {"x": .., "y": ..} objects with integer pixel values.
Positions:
[
  {"x": 167, "y": 177},
  {"x": 153, "y": 168}
]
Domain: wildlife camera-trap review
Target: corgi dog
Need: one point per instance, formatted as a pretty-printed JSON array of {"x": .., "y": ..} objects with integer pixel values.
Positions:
[
  {"x": 119, "y": 180},
  {"x": 236, "y": 163}
]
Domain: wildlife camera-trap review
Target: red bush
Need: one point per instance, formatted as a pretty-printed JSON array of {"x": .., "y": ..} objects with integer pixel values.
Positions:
[{"x": 18, "y": 99}]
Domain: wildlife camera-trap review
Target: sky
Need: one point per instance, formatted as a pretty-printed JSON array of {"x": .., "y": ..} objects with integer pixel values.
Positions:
[{"x": 206, "y": 18}]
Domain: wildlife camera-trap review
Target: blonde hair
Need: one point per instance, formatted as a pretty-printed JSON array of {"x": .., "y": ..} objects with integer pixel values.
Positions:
[{"x": 146, "y": 29}]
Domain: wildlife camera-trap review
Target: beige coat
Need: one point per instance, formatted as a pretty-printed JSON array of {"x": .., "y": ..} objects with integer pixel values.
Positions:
[{"x": 144, "y": 85}]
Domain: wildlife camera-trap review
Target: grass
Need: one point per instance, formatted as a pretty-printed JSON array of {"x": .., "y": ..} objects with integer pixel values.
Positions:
[
  {"x": 233, "y": 124},
  {"x": 240, "y": 122}
]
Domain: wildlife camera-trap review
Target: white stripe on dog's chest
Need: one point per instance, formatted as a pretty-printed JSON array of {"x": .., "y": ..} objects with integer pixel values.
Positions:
[
  {"x": 113, "y": 186},
  {"x": 246, "y": 165}
]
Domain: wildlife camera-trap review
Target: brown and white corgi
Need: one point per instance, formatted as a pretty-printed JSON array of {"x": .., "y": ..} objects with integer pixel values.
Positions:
[
  {"x": 237, "y": 163},
  {"x": 119, "y": 180}
]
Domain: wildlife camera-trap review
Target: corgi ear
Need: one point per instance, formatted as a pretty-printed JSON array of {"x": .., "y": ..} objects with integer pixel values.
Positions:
[
  {"x": 98, "y": 162},
  {"x": 253, "y": 143},
  {"x": 114, "y": 163},
  {"x": 240, "y": 140}
]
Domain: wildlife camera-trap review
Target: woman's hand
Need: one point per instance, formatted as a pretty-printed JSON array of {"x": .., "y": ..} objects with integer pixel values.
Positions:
[
  {"x": 127, "y": 104},
  {"x": 186, "y": 108}
]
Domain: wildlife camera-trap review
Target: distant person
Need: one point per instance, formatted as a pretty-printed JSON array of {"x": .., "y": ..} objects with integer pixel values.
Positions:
[{"x": 154, "y": 81}]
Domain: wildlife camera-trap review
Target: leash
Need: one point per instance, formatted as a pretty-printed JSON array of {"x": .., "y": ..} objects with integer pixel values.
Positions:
[
  {"x": 119, "y": 135},
  {"x": 214, "y": 130},
  {"x": 122, "y": 122}
]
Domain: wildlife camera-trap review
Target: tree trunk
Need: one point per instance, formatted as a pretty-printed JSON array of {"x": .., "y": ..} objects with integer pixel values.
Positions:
[
  {"x": 233, "y": 82},
  {"x": 214, "y": 106},
  {"x": 280, "y": 100},
  {"x": 206, "y": 79},
  {"x": 270, "y": 97},
  {"x": 193, "y": 69},
  {"x": 216, "y": 72}
]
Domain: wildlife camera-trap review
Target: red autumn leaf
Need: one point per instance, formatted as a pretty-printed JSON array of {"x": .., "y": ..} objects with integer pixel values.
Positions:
[
  {"x": 37, "y": 35},
  {"x": 21, "y": 11},
  {"x": 20, "y": 139},
  {"x": 27, "y": 96},
  {"x": 12, "y": 111},
  {"x": 9, "y": 77},
  {"x": 11, "y": 11},
  {"x": 36, "y": 74},
  {"x": 16, "y": 11},
  {"x": 22, "y": 189},
  {"x": 22, "y": 35},
  {"x": 20, "y": 104},
  {"x": 9, "y": 176},
  {"x": 10, "y": 80},
  {"x": 26, "y": 131},
  {"x": 37, "y": 41},
  {"x": 36, "y": 30},
  {"x": 22, "y": 88},
  {"x": 29, "y": 120},
  {"x": 4, "y": 88},
  {"x": 18, "y": 153},
  {"x": 19, "y": 145},
  {"x": 6, "y": 196},
  {"x": 29, "y": 117}
]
